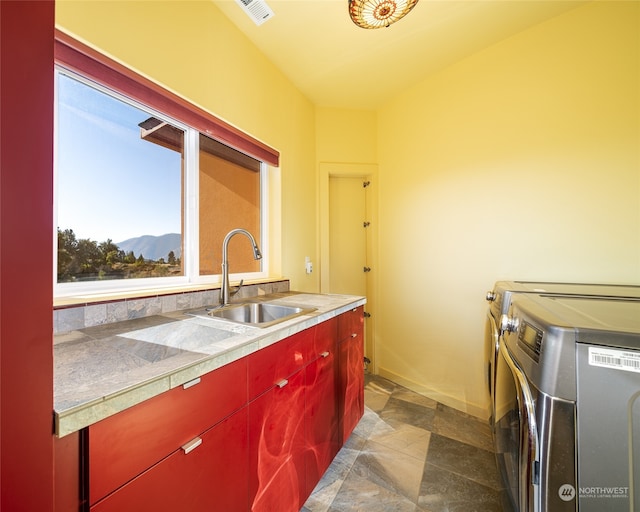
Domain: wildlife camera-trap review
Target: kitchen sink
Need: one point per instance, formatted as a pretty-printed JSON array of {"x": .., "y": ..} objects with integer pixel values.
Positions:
[{"x": 260, "y": 314}]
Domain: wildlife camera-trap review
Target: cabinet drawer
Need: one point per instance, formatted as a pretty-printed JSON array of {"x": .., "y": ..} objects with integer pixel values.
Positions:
[
  {"x": 124, "y": 445},
  {"x": 324, "y": 339},
  {"x": 351, "y": 322},
  {"x": 270, "y": 365},
  {"x": 211, "y": 477}
]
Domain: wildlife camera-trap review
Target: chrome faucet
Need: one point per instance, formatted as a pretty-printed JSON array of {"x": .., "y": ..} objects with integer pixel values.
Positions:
[{"x": 224, "y": 293}]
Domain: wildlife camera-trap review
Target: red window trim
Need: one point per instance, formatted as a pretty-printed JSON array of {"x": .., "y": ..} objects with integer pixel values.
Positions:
[{"x": 76, "y": 56}]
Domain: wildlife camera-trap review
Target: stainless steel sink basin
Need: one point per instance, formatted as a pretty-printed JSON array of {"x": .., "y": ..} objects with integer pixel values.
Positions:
[{"x": 260, "y": 314}]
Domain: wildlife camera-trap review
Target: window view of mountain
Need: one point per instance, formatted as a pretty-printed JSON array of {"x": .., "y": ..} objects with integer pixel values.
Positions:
[
  {"x": 153, "y": 247},
  {"x": 144, "y": 256}
]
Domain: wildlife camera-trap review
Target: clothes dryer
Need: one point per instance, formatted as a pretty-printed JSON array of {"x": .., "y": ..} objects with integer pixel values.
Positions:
[
  {"x": 567, "y": 428},
  {"x": 499, "y": 299}
]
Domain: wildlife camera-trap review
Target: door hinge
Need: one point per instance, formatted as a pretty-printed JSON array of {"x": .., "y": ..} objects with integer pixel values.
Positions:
[
  {"x": 366, "y": 224},
  {"x": 365, "y": 184},
  {"x": 366, "y": 269},
  {"x": 367, "y": 315}
]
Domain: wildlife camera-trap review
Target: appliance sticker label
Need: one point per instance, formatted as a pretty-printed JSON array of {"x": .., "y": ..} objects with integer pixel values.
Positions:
[{"x": 615, "y": 359}]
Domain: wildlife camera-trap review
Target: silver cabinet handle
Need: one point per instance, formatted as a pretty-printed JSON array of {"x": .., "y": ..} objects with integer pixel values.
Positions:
[
  {"x": 354, "y": 334},
  {"x": 282, "y": 383},
  {"x": 324, "y": 354},
  {"x": 191, "y": 445},
  {"x": 193, "y": 382}
]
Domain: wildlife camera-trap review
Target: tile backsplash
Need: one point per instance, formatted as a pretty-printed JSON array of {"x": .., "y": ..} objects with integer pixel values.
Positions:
[{"x": 80, "y": 316}]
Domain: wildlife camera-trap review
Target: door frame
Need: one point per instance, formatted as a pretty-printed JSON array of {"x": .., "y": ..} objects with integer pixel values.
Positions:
[{"x": 368, "y": 172}]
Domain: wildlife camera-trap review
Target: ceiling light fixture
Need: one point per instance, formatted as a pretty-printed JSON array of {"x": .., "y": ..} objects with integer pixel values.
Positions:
[{"x": 379, "y": 13}]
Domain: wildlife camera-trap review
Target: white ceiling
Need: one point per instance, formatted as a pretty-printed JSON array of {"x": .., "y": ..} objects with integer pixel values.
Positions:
[{"x": 337, "y": 64}]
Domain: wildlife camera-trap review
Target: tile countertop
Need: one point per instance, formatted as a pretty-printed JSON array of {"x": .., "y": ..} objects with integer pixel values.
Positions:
[{"x": 99, "y": 371}]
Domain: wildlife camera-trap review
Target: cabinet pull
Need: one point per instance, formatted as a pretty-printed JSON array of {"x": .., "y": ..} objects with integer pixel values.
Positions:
[
  {"x": 354, "y": 334},
  {"x": 193, "y": 382},
  {"x": 282, "y": 383},
  {"x": 325, "y": 354},
  {"x": 191, "y": 445}
]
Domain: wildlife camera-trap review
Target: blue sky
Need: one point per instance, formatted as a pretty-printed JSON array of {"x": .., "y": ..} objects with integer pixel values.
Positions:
[{"x": 110, "y": 183}]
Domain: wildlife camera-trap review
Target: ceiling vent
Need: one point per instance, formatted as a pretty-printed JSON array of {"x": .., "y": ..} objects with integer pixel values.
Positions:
[{"x": 257, "y": 10}]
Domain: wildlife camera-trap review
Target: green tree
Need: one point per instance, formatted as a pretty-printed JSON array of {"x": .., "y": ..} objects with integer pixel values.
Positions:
[
  {"x": 88, "y": 256},
  {"x": 67, "y": 248},
  {"x": 110, "y": 253}
]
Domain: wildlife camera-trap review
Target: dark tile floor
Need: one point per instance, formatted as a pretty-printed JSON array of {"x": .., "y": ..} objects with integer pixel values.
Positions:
[{"x": 410, "y": 454}]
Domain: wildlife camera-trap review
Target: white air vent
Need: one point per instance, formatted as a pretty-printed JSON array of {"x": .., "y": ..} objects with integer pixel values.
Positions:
[{"x": 257, "y": 10}]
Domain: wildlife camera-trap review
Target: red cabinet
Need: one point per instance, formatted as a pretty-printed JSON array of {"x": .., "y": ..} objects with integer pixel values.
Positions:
[
  {"x": 212, "y": 476},
  {"x": 351, "y": 365},
  {"x": 276, "y": 424},
  {"x": 322, "y": 433},
  {"x": 256, "y": 434},
  {"x": 127, "y": 443},
  {"x": 276, "y": 442}
]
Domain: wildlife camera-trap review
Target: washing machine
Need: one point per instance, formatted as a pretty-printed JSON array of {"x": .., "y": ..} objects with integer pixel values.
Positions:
[
  {"x": 567, "y": 425},
  {"x": 499, "y": 299}
]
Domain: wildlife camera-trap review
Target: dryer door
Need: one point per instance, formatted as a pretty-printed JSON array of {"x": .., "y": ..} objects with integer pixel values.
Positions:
[{"x": 516, "y": 433}]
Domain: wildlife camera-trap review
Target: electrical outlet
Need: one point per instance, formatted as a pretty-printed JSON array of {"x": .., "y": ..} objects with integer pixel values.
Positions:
[{"x": 308, "y": 266}]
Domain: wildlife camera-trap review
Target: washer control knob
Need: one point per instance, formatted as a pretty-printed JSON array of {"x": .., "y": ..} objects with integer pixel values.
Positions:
[
  {"x": 491, "y": 296},
  {"x": 508, "y": 324}
]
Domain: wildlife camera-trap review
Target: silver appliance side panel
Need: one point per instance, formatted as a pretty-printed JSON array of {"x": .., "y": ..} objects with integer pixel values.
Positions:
[{"x": 608, "y": 427}]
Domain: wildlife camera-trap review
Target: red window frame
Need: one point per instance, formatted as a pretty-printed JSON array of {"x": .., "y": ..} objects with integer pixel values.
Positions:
[{"x": 76, "y": 56}]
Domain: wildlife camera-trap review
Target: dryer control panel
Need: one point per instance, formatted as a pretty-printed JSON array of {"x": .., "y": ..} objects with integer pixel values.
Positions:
[{"x": 530, "y": 340}]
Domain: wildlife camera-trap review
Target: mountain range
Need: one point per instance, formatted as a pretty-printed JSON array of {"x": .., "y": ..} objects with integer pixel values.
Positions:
[{"x": 153, "y": 247}]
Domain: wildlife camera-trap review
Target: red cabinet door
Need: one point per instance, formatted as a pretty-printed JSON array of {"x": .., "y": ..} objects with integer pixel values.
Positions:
[
  {"x": 351, "y": 365},
  {"x": 213, "y": 476},
  {"x": 322, "y": 432},
  {"x": 276, "y": 447},
  {"x": 127, "y": 443}
]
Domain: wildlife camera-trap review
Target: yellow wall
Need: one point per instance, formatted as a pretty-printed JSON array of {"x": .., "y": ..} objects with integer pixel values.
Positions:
[
  {"x": 346, "y": 136},
  {"x": 191, "y": 48},
  {"x": 519, "y": 162}
]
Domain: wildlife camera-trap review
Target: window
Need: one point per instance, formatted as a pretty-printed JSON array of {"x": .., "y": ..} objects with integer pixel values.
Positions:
[
  {"x": 119, "y": 184},
  {"x": 145, "y": 197}
]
